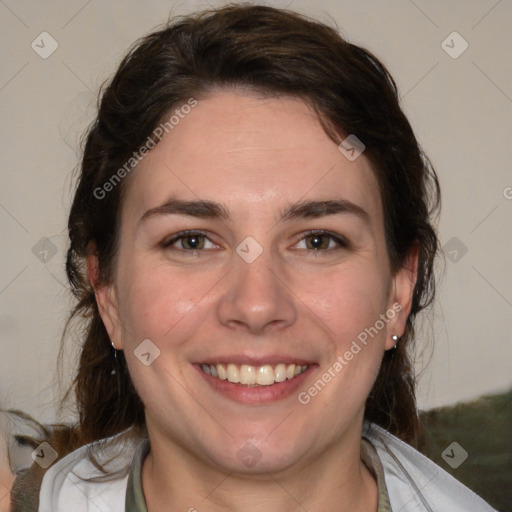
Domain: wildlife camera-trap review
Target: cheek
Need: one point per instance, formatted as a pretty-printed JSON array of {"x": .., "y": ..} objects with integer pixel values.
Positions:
[
  {"x": 349, "y": 305},
  {"x": 348, "y": 301},
  {"x": 162, "y": 303}
]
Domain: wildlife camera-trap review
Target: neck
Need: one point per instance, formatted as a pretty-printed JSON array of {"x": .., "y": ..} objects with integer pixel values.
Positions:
[{"x": 336, "y": 479}]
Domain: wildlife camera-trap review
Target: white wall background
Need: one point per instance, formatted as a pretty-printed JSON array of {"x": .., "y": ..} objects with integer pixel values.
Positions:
[{"x": 460, "y": 108}]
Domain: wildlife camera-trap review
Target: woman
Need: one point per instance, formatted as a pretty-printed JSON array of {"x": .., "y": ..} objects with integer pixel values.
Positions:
[{"x": 251, "y": 241}]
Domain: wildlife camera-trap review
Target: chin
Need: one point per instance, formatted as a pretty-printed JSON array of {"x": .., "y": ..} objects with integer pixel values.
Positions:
[
  {"x": 251, "y": 460},
  {"x": 268, "y": 452}
]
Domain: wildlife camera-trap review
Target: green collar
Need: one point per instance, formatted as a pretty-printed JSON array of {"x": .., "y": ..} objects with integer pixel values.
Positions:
[{"x": 135, "y": 501}]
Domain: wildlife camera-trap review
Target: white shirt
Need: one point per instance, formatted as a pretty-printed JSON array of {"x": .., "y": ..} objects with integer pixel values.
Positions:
[{"x": 414, "y": 483}]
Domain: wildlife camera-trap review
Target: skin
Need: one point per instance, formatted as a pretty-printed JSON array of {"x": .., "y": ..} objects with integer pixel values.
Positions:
[
  {"x": 255, "y": 156},
  {"x": 6, "y": 481},
  {"x": 6, "y": 476}
]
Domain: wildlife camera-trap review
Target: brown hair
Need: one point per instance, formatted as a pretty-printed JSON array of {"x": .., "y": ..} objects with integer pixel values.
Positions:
[{"x": 274, "y": 52}]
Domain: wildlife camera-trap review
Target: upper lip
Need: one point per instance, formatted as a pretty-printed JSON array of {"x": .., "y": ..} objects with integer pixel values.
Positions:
[{"x": 271, "y": 359}]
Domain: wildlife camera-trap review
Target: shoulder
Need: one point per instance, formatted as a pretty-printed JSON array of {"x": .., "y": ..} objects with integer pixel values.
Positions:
[
  {"x": 415, "y": 483},
  {"x": 77, "y": 483}
]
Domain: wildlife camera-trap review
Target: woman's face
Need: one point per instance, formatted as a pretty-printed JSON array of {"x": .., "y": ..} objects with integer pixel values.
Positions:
[{"x": 249, "y": 240}]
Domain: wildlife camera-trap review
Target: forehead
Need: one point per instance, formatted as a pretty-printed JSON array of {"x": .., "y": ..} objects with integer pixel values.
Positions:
[{"x": 248, "y": 151}]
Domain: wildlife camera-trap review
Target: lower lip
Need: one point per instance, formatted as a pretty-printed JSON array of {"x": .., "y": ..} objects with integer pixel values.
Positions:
[{"x": 255, "y": 394}]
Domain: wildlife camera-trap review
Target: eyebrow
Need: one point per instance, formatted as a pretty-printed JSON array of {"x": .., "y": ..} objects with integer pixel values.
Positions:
[
  {"x": 206, "y": 209},
  {"x": 317, "y": 209},
  {"x": 201, "y": 208}
]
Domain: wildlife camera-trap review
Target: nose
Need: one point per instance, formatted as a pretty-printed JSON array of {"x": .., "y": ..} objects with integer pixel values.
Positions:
[{"x": 256, "y": 298}]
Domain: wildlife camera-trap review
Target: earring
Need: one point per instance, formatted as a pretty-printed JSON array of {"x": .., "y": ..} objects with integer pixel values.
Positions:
[
  {"x": 114, "y": 371},
  {"x": 395, "y": 339}
]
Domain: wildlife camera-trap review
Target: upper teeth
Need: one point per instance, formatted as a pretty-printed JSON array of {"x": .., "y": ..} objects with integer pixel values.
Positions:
[{"x": 265, "y": 375}]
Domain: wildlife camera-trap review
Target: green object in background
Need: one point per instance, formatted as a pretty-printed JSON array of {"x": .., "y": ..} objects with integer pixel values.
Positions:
[{"x": 473, "y": 442}]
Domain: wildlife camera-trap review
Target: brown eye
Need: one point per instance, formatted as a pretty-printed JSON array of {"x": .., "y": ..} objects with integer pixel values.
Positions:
[
  {"x": 192, "y": 242},
  {"x": 318, "y": 241},
  {"x": 189, "y": 241},
  {"x": 322, "y": 241}
]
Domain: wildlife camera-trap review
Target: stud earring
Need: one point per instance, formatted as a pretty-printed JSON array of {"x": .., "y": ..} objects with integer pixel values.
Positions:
[{"x": 395, "y": 339}]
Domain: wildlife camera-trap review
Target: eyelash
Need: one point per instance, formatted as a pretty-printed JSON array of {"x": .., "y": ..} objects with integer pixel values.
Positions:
[
  {"x": 342, "y": 242},
  {"x": 166, "y": 244}
]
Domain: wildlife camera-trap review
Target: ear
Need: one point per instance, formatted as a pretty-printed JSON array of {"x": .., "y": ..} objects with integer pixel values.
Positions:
[
  {"x": 400, "y": 301},
  {"x": 106, "y": 297}
]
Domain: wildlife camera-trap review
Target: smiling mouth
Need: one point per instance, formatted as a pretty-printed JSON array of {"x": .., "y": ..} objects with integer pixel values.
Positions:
[{"x": 264, "y": 375}]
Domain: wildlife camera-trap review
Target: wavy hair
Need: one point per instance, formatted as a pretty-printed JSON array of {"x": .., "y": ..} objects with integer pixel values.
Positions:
[{"x": 274, "y": 52}]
